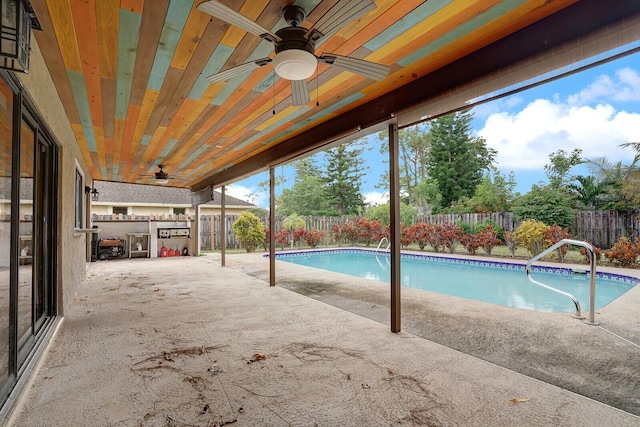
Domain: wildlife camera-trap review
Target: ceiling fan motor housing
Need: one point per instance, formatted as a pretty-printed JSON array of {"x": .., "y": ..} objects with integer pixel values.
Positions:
[{"x": 295, "y": 58}]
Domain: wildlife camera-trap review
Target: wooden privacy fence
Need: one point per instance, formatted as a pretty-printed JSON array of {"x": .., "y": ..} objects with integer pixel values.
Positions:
[
  {"x": 503, "y": 219},
  {"x": 604, "y": 228},
  {"x": 210, "y": 228}
]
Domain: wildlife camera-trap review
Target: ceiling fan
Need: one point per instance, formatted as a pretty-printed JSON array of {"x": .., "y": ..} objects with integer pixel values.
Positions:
[
  {"x": 162, "y": 177},
  {"x": 295, "y": 46}
]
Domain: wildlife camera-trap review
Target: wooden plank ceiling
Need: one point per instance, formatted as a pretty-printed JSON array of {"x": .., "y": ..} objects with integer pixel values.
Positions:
[{"x": 131, "y": 73}]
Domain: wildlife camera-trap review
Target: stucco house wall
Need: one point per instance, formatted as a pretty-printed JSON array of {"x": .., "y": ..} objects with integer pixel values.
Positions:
[{"x": 71, "y": 245}]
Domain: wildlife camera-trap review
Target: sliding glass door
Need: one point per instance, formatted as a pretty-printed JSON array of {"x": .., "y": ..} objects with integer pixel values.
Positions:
[
  {"x": 28, "y": 187},
  {"x": 6, "y": 184}
]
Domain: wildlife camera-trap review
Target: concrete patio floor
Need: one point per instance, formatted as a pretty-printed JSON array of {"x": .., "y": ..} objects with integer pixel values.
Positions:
[{"x": 185, "y": 342}]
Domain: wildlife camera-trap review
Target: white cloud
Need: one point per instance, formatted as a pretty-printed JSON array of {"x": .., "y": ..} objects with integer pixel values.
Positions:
[
  {"x": 487, "y": 109},
  {"x": 625, "y": 87},
  {"x": 630, "y": 90},
  {"x": 249, "y": 194},
  {"x": 525, "y": 139},
  {"x": 374, "y": 198}
]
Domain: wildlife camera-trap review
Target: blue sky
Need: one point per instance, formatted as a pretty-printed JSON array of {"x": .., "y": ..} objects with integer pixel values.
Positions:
[{"x": 594, "y": 110}]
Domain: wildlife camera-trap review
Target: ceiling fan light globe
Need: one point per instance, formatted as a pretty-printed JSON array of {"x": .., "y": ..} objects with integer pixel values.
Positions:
[
  {"x": 162, "y": 181},
  {"x": 295, "y": 64}
]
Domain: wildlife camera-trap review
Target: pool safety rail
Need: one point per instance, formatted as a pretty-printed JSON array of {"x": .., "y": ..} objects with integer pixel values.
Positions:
[
  {"x": 380, "y": 244},
  {"x": 592, "y": 262}
]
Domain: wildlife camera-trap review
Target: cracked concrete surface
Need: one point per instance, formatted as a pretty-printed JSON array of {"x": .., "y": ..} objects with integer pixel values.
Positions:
[{"x": 184, "y": 342}]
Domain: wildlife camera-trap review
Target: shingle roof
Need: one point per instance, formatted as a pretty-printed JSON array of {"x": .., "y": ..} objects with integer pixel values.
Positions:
[
  {"x": 117, "y": 192},
  {"x": 26, "y": 188}
]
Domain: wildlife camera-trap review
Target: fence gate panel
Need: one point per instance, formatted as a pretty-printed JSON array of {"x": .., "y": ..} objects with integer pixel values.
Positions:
[{"x": 205, "y": 233}]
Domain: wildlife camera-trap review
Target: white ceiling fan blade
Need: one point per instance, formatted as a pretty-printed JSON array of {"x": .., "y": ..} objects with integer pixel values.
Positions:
[
  {"x": 359, "y": 66},
  {"x": 236, "y": 71},
  {"x": 299, "y": 92},
  {"x": 221, "y": 11},
  {"x": 338, "y": 16}
]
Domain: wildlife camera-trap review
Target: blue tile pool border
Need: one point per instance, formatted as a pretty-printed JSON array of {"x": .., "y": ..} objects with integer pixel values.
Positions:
[{"x": 463, "y": 261}]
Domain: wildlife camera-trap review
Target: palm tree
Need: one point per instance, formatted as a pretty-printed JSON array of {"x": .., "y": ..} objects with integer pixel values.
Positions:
[
  {"x": 613, "y": 179},
  {"x": 590, "y": 193}
]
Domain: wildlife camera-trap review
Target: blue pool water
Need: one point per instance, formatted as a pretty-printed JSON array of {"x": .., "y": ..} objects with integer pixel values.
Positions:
[{"x": 493, "y": 282}]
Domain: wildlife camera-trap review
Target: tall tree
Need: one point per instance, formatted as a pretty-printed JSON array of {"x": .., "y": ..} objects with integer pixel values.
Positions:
[
  {"x": 307, "y": 196},
  {"x": 457, "y": 160},
  {"x": 493, "y": 194},
  {"x": 591, "y": 193},
  {"x": 630, "y": 187},
  {"x": 343, "y": 178},
  {"x": 559, "y": 166},
  {"x": 414, "y": 145},
  {"x": 429, "y": 192}
]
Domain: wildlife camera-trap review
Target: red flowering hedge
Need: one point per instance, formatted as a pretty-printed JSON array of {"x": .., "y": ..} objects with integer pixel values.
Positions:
[
  {"x": 299, "y": 235},
  {"x": 282, "y": 238},
  {"x": 487, "y": 239},
  {"x": 624, "y": 253},
  {"x": 596, "y": 251},
  {"x": 314, "y": 237},
  {"x": 450, "y": 235},
  {"x": 419, "y": 234},
  {"x": 360, "y": 231},
  {"x": 553, "y": 235},
  {"x": 470, "y": 243}
]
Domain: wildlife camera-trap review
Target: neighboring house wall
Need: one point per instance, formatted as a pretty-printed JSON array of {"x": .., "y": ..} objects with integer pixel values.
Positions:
[
  {"x": 122, "y": 209},
  {"x": 99, "y": 208},
  {"x": 215, "y": 210},
  {"x": 107, "y": 209}
]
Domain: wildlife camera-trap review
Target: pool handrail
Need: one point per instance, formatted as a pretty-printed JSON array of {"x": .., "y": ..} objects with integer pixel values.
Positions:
[
  {"x": 380, "y": 244},
  {"x": 592, "y": 262}
]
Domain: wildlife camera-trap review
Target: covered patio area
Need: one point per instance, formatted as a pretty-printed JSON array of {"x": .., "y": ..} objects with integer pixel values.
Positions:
[{"x": 185, "y": 342}]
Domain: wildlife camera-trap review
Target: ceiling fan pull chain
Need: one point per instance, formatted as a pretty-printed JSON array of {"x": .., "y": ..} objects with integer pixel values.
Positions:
[
  {"x": 273, "y": 85},
  {"x": 317, "y": 84}
]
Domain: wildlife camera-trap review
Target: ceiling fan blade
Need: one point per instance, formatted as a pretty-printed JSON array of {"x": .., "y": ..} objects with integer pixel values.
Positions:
[
  {"x": 221, "y": 11},
  {"x": 299, "y": 92},
  {"x": 338, "y": 16},
  {"x": 236, "y": 71},
  {"x": 359, "y": 66}
]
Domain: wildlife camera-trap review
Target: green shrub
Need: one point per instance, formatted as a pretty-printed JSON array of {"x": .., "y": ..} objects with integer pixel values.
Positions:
[
  {"x": 489, "y": 223},
  {"x": 249, "y": 231},
  {"x": 466, "y": 228},
  {"x": 545, "y": 204}
]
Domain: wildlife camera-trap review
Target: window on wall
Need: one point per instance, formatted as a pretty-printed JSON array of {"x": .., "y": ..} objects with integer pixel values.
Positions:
[
  {"x": 179, "y": 211},
  {"x": 79, "y": 199},
  {"x": 120, "y": 210}
]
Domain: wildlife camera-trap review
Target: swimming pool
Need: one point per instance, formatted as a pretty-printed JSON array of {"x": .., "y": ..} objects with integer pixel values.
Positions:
[{"x": 499, "y": 283}]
